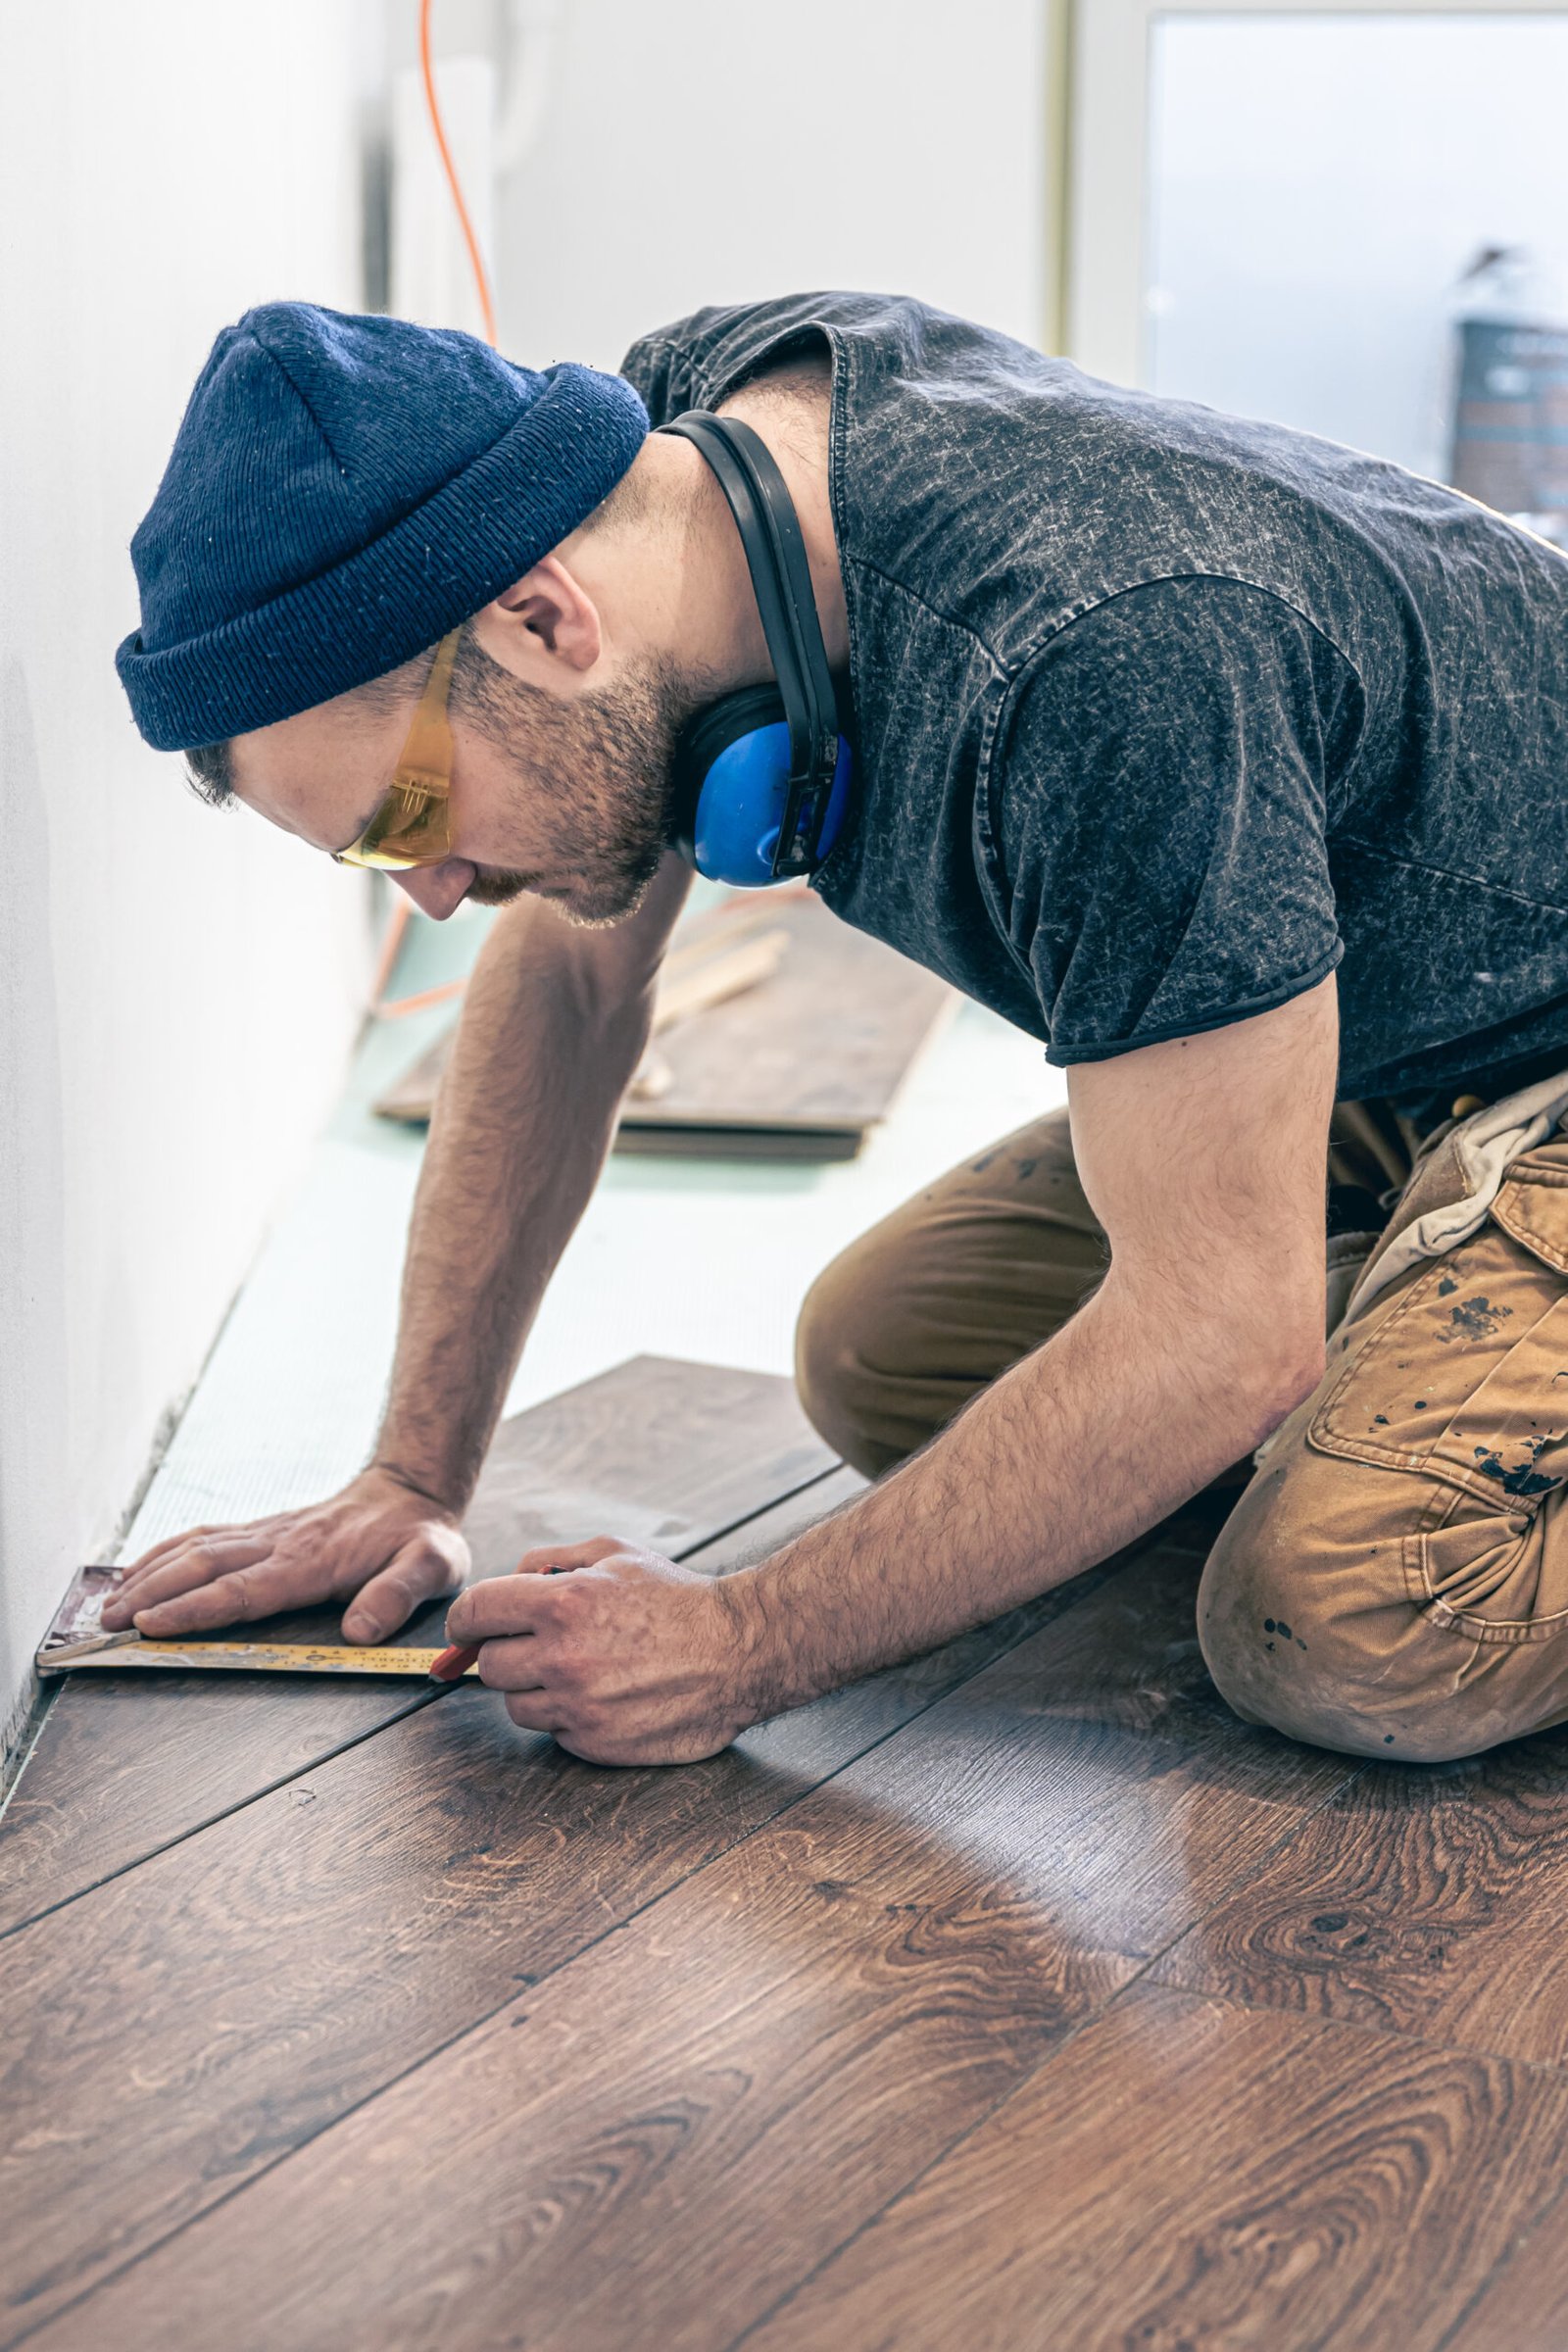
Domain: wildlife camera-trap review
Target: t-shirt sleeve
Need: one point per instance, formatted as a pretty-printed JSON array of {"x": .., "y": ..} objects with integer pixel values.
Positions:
[{"x": 1159, "y": 813}]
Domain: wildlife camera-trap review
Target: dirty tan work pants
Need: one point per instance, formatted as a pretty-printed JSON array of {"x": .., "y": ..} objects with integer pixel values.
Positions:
[{"x": 1394, "y": 1578}]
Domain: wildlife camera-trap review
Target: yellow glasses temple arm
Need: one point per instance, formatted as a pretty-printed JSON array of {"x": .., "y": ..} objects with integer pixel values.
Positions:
[{"x": 426, "y": 762}]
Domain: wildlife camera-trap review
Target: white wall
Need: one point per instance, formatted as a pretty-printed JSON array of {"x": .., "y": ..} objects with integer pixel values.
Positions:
[
  {"x": 1316, "y": 185},
  {"x": 177, "y": 989},
  {"x": 702, "y": 151}
]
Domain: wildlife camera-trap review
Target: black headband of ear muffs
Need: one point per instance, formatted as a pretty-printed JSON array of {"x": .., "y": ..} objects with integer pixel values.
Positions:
[{"x": 770, "y": 537}]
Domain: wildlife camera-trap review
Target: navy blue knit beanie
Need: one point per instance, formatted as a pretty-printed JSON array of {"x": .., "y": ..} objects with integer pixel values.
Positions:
[{"x": 343, "y": 491}]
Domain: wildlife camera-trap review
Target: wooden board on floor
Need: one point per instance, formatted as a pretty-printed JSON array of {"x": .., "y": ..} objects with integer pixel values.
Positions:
[
  {"x": 820, "y": 1050},
  {"x": 1186, "y": 2174},
  {"x": 819, "y": 1986},
  {"x": 663, "y": 1452},
  {"x": 309, "y": 1949},
  {"x": 788, "y": 1147},
  {"x": 1427, "y": 1898},
  {"x": 1524, "y": 2306},
  {"x": 800, "y": 1067}
]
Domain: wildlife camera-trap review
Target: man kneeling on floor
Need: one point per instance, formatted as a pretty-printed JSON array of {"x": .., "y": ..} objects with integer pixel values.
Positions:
[{"x": 1230, "y": 765}]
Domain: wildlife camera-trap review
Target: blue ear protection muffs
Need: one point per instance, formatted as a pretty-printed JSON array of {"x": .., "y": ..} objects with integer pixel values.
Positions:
[{"x": 762, "y": 778}]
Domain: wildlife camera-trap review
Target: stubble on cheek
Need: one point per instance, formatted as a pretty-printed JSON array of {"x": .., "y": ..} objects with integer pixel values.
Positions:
[
  {"x": 590, "y": 794},
  {"x": 601, "y": 912},
  {"x": 590, "y": 903},
  {"x": 494, "y": 886}
]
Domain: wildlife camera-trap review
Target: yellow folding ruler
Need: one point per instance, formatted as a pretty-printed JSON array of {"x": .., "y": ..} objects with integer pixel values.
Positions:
[{"x": 255, "y": 1658}]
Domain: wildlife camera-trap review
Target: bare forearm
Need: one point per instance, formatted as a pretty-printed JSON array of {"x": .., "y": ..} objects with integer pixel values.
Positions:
[
  {"x": 526, "y": 1113},
  {"x": 1068, "y": 1456},
  {"x": 1202, "y": 1158}
]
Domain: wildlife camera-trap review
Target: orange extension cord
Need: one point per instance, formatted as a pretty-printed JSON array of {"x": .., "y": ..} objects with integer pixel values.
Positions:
[
  {"x": 482, "y": 281},
  {"x": 402, "y": 909}
]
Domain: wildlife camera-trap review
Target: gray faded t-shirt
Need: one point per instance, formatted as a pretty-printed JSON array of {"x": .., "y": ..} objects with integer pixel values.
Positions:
[{"x": 1159, "y": 715}]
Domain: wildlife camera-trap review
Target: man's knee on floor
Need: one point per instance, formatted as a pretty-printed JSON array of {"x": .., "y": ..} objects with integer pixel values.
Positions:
[
  {"x": 1307, "y": 1626},
  {"x": 850, "y": 1343}
]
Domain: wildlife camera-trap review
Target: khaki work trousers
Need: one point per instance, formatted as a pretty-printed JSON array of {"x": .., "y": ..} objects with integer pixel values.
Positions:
[{"x": 1394, "y": 1578}]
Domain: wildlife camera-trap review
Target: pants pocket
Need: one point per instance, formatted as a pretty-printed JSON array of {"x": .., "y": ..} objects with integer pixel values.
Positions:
[
  {"x": 1497, "y": 1576},
  {"x": 1461, "y": 1382}
]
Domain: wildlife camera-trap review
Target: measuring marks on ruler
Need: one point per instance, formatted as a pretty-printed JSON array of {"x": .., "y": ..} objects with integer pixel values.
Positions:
[{"x": 254, "y": 1657}]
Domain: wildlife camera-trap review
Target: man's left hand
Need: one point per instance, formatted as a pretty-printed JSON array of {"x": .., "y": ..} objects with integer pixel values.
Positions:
[{"x": 621, "y": 1656}]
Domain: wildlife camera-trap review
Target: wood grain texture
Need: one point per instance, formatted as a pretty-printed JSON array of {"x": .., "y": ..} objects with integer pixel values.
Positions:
[
  {"x": 659, "y": 1451},
  {"x": 1429, "y": 1899},
  {"x": 188, "y": 2023},
  {"x": 767, "y": 1531},
  {"x": 654, "y": 2144},
  {"x": 711, "y": 954},
  {"x": 800, "y": 1065},
  {"x": 663, "y": 1452},
  {"x": 1186, "y": 2174},
  {"x": 1524, "y": 2305},
  {"x": 823, "y": 1045}
]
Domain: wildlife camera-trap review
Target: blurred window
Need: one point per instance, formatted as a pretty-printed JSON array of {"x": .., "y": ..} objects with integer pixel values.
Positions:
[{"x": 1302, "y": 212}]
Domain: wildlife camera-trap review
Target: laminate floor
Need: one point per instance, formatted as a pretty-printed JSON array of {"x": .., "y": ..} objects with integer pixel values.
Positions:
[{"x": 1019, "y": 1996}]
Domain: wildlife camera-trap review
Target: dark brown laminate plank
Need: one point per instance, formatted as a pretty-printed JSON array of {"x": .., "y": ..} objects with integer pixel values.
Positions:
[
  {"x": 663, "y": 1452},
  {"x": 746, "y": 1075},
  {"x": 182, "y": 2026},
  {"x": 659, "y": 1451},
  {"x": 1523, "y": 2306},
  {"x": 754, "y": 1061},
  {"x": 1429, "y": 1899},
  {"x": 1191, "y": 2174},
  {"x": 212, "y": 1713},
  {"x": 125, "y": 1764},
  {"x": 765, "y": 1531},
  {"x": 656, "y": 2143}
]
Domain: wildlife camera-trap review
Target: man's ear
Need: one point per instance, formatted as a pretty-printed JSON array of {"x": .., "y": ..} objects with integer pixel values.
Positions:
[{"x": 547, "y": 617}]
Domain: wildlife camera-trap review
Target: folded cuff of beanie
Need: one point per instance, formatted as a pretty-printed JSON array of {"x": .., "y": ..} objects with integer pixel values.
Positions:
[{"x": 441, "y": 562}]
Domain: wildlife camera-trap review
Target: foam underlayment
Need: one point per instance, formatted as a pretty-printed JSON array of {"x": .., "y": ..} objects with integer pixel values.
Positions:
[{"x": 702, "y": 1259}]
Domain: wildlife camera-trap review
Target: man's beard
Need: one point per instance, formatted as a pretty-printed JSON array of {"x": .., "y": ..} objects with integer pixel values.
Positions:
[{"x": 600, "y": 764}]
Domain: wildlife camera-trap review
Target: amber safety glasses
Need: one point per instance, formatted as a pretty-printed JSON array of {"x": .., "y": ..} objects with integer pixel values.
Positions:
[{"x": 411, "y": 827}]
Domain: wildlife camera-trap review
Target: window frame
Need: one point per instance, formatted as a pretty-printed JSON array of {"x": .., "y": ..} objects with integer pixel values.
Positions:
[{"x": 1104, "y": 319}]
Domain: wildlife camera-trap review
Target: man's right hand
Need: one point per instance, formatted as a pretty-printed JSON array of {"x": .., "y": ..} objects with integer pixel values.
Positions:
[{"x": 380, "y": 1540}]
